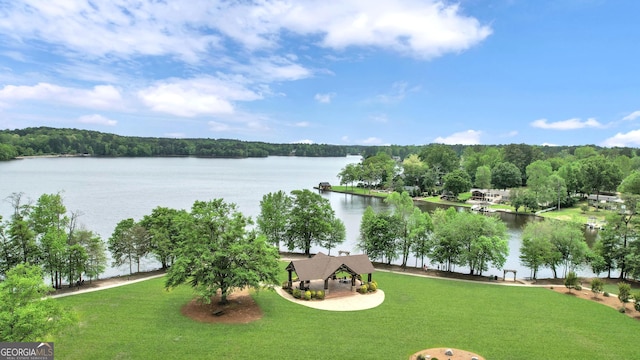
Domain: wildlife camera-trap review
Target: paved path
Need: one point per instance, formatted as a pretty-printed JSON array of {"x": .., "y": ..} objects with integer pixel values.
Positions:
[
  {"x": 352, "y": 302},
  {"x": 104, "y": 287}
]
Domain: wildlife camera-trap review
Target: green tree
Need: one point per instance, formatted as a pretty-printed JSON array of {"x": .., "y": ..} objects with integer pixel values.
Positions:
[
  {"x": 274, "y": 216},
  {"x": 310, "y": 221},
  {"x": 219, "y": 253},
  {"x": 483, "y": 177},
  {"x": 414, "y": 170},
  {"x": 337, "y": 235},
  {"x": 536, "y": 245},
  {"x": 420, "y": 234},
  {"x": 129, "y": 243},
  {"x": 25, "y": 313},
  {"x": 163, "y": 229},
  {"x": 350, "y": 174},
  {"x": 457, "y": 181},
  {"x": 571, "y": 281},
  {"x": 506, "y": 175},
  {"x": 403, "y": 208},
  {"x": 441, "y": 158},
  {"x": 96, "y": 260},
  {"x": 599, "y": 174},
  {"x": 378, "y": 234},
  {"x": 8, "y": 250}
]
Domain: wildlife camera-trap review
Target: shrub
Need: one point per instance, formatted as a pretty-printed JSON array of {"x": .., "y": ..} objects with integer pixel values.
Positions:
[
  {"x": 624, "y": 292},
  {"x": 578, "y": 287},
  {"x": 596, "y": 285},
  {"x": 307, "y": 295},
  {"x": 285, "y": 285},
  {"x": 606, "y": 294},
  {"x": 296, "y": 293},
  {"x": 320, "y": 294},
  {"x": 636, "y": 298},
  {"x": 373, "y": 286},
  {"x": 571, "y": 281},
  {"x": 313, "y": 294},
  {"x": 421, "y": 357},
  {"x": 364, "y": 288},
  {"x": 622, "y": 310}
]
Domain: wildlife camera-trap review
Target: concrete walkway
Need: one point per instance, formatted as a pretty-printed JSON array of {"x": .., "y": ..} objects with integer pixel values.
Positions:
[
  {"x": 352, "y": 302},
  {"x": 106, "y": 286}
]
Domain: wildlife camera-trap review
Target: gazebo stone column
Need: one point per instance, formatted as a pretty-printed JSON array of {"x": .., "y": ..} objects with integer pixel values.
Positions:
[
  {"x": 290, "y": 280},
  {"x": 326, "y": 286}
]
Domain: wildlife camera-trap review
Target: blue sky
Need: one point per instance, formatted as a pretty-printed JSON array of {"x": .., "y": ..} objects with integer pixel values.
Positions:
[{"x": 561, "y": 72}]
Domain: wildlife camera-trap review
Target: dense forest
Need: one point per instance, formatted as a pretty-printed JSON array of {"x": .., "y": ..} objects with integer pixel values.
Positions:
[{"x": 53, "y": 141}]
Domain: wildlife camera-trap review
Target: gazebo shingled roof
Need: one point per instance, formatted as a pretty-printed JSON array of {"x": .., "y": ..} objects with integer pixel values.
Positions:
[{"x": 322, "y": 266}]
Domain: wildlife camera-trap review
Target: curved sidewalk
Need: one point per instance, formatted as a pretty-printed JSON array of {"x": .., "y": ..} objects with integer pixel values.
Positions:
[{"x": 353, "y": 302}]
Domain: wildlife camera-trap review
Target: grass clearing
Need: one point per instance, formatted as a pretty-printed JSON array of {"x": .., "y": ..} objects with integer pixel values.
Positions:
[{"x": 143, "y": 321}]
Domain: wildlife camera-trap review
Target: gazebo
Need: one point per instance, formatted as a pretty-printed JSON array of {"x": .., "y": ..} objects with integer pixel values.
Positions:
[{"x": 324, "y": 267}]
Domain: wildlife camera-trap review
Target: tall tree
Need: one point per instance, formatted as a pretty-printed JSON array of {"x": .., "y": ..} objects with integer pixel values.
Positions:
[
  {"x": 378, "y": 234},
  {"x": 336, "y": 235},
  {"x": 457, "y": 181},
  {"x": 506, "y": 175},
  {"x": 163, "y": 228},
  {"x": 403, "y": 207},
  {"x": 536, "y": 246},
  {"x": 129, "y": 243},
  {"x": 420, "y": 234},
  {"x": 274, "y": 216},
  {"x": 96, "y": 260},
  {"x": 414, "y": 170},
  {"x": 599, "y": 174},
  {"x": 310, "y": 220},
  {"x": 483, "y": 177},
  {"x": 25, "y": 312},
  {"x": 441, "y": 158},
  {"x": 219, "y": 253}
]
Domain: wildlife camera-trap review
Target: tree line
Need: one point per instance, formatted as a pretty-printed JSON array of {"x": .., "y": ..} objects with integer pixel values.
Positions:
[
  {"x": 52, "y": 141},
  {"x": 46, "y": 235},
  {"x": 535, "y": 180}
]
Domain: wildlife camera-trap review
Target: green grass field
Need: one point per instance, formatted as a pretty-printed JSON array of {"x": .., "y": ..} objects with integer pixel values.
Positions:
[{"x": 143, "y": 321}]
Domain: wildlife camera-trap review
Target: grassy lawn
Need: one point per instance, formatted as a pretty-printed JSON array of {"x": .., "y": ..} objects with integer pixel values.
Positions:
[
  {"x": 359, "y": 191},
  {"x": 142, "y": 321}
]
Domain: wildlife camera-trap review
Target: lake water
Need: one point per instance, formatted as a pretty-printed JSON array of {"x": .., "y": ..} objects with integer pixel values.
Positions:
[{"x": 107, "y": 190}]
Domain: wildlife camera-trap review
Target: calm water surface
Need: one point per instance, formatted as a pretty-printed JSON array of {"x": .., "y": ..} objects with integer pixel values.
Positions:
[{"x": 107, "y": 190}]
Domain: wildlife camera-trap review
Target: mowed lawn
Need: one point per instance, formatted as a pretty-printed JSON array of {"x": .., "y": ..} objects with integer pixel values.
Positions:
[{"x": 143, "y": 321}]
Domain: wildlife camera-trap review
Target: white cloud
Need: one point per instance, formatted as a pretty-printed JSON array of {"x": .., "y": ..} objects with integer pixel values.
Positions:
[
  {"x": 634, "y": 115},
  {"x": 424, "y": 29},
  {"x": 398, "y": 91},
  {"x": 419, "y": 28},
  {"x": 302, "y": 124},
  {"x": 380, "y": 118},
  {"x": 218, "y": 126},
  {"x": 632, "y": 138},
  {"x": 511, "y": 133},
  {"x": 97, "y": 119},
  {"x": 98, "y": 97},
  {"x": 272, "y": 68},
  {"x": 324, "y": 98},
  {"x": 120, "y": 27},
  {"x": 469, "y": 137},
  {"x": 371, "y": 141},
  {"x": 197, "y": 96},
  {"x": 570, "y": 124}
]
